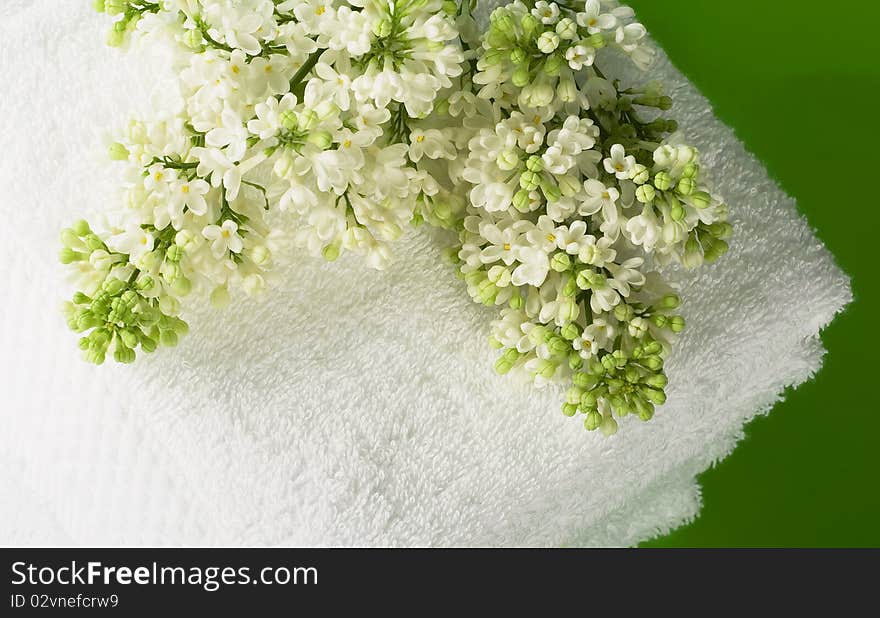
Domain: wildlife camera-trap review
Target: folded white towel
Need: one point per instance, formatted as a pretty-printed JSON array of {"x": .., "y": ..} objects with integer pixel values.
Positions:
[{"x": 351, "y": 407}]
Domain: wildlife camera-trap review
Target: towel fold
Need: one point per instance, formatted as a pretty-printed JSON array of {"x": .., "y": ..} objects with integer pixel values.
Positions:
[{"x": 351, "y": 407}]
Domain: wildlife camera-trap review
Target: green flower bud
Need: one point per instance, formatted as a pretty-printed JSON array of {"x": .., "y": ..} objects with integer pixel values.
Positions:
[
  {"x": 521, "y": 76},
  {"x": 573, "y": 395},
  {"x": 575, "y": 362},
  {"x": 129, "y": 338},
  {"x": 645, "y": 194},
  {"x": 567, "y": 29},
  {"x": 558, "y": 345},
  {"x": 148, "y": 345},
  {"x": 570, "y": 289},
  {"x": 570, "y": 331},
  {"x": 657, "y": 380},
  {"x": 653, "y": 347},
  {"x": 93, "y": 242},
  {"x": 676, "y": 210},
  {"x": 553, "y": 65},
  {"x": 686, "y": 186},
  {"x": 529, "y": 181},
  {"x": 568, "y": 185},
  {"x": 508, "y": 160},
  {"x": 530, "y": 25},
  {"x": 331, "y": 252},
  {"x": 676, "y": 323},
  {"x": 700, "y": 199},
  {"x": 624, "y": 312},
  {"x": 522, "y": 200},
  {"x": 640, "y": 174},
  {"x": 717, "y": 249},
  {"x": 321, "y": 139},
  {"x": 492, "y": 57},
  {"x": 115, "y": 38},
  {"x": 194, "y": 40},
  {"x": 518, "y": 56},
  {"x": 660, "y": 320},
  {"x": 168, "y": 338},
  {"x": 516, "y": 302},
  {"x": 174, "y": 253},
  {"x": 69, "y": 256},
  {"x": 535, "y": 164},
  {"x": 644, "y": 410},
  {"x": 503, "y": 366},
  {"x": 569, "y": 409},
  {"x": 98, "y": 5},
  {"x": 181, "y": 286},
  {"x": 115, "y": 7},
  {"x": 561, "y": 262},
  {"x": 113, "y": 286},
  {"x": 608, "y": 427},
  {"x": 596, "y": 41},
  {"x": 584, "y": 381},
  {"x": 691, "y": 170},
  {"x": 118, "y": 152},
  {"x": 721, "y": 230},
  {"x": 289, "y": 120},
  {"x": 654, "y": 363},
  {"x": 588, "y": 400},
  {"x": 593, "y": 420},
  {"x": 551, "y": 190},
  {"x": 670, "y": 301},
  {"x": 383, "y": 28},
  {"x": 96, "y": 356},
  {"x": 663, "y": 181},
  {"x": 81, "y": 228},
  {"x": 655, "y": 396},
  {"x": 693, "y": 253}
]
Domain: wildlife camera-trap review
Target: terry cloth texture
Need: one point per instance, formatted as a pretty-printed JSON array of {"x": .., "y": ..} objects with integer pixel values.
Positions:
[{"x": 350, "y": 407}]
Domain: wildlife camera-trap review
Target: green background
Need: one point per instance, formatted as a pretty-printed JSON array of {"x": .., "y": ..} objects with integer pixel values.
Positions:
[{"x": 799, "y": 82}]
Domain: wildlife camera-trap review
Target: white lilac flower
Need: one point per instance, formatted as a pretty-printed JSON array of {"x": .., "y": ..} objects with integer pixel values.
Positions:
[
  {"x": 224, "y": 238},
  {"x": 619, "y": 163},
  {"x": 574, "y": 238},
  {"x": 430, "y": 143},
  {"x": 547, "y": 12},
  {"x": 533, "y": 269},
  {"x": 598, "y": 197},
  {"x": 594, "y": 20},
  {"x": 190, "y": 194},
  {"x": 133, "y": 241},
  {"x": 267, "y": 123}
]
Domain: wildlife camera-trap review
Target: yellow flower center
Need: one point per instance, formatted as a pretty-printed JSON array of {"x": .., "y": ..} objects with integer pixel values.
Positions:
[
  {"x": 551, "y": 238},
  {"x": 346, "y": 143},
  {"x": 320, "y": 10},
  {"x": 143, "y": 240},
  {"x": 225, "y": 233},
  {"x": 158, "y": 176},
  {"x": 420, "y": 139},
  {"x": 536, "y": 119},
  {"x": 593, "y": 21},
  {"x": 184, "y": 189},
  {"x": 619, "y": 167},
  {"x": 236, "y": 69},
  {"x": 507, "y": 246}
]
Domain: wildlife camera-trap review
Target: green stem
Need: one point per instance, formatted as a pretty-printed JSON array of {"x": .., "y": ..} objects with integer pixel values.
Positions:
[{"x": 304, "y": 70}]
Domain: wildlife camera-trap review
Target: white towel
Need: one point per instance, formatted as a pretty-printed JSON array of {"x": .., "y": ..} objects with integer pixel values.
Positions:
[{"x": 351, "y": 407}]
